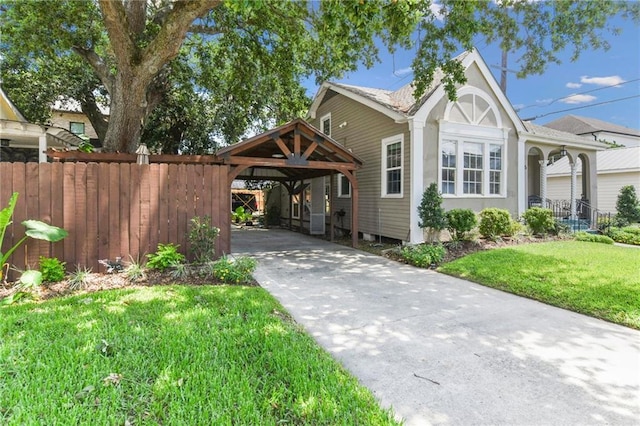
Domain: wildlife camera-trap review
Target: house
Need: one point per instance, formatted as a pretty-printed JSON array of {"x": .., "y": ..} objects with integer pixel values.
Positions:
[
  {"x": 68, "y": 115},
  {"x": 477, "y": 149},
  {"x": 597, "y": 130},
  {"x": 21, "y": 141},
  {"x": 617, "y": 167}
]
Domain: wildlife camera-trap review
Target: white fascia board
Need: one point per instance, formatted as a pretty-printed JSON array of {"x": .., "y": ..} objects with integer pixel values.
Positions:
[{"x": 533, "y": 138}]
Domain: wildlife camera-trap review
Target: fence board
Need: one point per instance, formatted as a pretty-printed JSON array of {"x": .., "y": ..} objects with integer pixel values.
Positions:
[
  {"x": 145, "y": 201},
  {"x": 181, "y": 197},
  {"x": 154, "y": 206},
  {"x": 32, "y": 246},
  {"x": 115, "y": 234},
  {"x": 81, "y": 213},
  {"x": 173, "y": 208},
  {"x": 104, "y": 196},
  {"x": 134, "y": 211},
  {"x": 19, "y": 214},
  {"x": 43, "y": 176},
  {"x": 57, "y": 205},
  {"x": 91, "y": 230},
  {"x": 123, "y": 218},
  {"x": 163, "y": 205}
]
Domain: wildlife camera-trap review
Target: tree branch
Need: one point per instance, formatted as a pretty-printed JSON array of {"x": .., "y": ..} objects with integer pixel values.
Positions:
[
  {"x": 92, "y": 110},
  {"x": 115, "y": 21},
  {"x": 98, "y": 65}
]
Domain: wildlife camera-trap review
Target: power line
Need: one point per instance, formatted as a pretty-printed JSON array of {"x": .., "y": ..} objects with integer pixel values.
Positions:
[{"x": 580, "y": 107}]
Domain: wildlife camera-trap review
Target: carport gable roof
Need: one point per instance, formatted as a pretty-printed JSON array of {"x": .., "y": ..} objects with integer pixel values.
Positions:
[{"x": 294, "y": 151}]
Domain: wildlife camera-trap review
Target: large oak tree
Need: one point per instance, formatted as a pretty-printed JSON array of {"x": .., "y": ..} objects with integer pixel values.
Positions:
[{"x": 247, "y": 57}]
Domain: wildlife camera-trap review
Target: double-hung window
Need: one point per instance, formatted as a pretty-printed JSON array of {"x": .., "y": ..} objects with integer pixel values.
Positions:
[
  {"x": 344, "y": 186},
  {"x": 392, "y": 166},
  {"x": 325, "y": 124}
]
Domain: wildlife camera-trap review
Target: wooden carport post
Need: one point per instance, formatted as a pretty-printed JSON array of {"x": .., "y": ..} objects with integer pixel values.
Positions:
[{"x": 354, "y": 206}]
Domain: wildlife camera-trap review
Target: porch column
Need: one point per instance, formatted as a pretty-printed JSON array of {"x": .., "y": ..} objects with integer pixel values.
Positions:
[
  {"x": 42, "y": 148},
  {"x": 574, "y": 180},
  {"x": 543, "y": 182}
]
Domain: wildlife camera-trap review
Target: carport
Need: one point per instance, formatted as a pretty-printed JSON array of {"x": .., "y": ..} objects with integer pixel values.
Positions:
[{"x": 290, "y": 154}]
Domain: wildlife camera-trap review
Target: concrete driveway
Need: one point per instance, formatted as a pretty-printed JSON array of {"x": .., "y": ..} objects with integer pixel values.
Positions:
[{"x": 441, "y": 350}]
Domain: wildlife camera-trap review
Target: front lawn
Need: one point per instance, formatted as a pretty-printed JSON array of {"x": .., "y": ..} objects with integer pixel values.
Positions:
[
  {"x": 211, "y": 355},
  {"x": 599, "y": 280}
]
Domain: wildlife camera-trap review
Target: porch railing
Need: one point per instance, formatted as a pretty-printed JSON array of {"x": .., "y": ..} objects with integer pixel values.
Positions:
[{"x": 587, "y": 217}]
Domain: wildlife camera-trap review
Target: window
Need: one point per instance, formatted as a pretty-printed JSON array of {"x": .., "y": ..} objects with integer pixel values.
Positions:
[
  {"x": 448, "y": 175},
  {"x": 495, "y": 169},
  {"x": 472, "y": 169},
  {"x": 76, "y": 128},
  {"x": 392, "y": 173},
  {"x": 325, "y": 124},
  {"x": 344, "y": 186},
  {"x": 295, "y": 206}
]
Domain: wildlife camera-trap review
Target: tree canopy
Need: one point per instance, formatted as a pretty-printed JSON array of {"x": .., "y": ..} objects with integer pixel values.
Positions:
[{"x": 189, "y": 73}]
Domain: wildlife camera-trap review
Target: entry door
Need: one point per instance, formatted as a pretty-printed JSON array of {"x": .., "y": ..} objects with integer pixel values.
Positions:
[{"x": 318, "y": 204}]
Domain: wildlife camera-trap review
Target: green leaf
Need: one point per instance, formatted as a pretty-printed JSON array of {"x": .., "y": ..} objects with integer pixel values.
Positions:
[
  {"x": 5, "y": 215},
  {"x": 30, "y": 278},
  {"x": 42, "y": 231}
]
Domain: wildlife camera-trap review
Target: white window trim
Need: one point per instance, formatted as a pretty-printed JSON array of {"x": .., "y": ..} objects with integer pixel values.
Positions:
[
  {"x": 342, "y": 177},
  {"x": 383, "y": 165},
  {"x": 322, "y": 120},
  {"x": 459, "y": 133}
]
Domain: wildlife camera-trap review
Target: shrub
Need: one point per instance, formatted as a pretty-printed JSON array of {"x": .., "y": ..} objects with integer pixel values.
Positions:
[
  {"x": 236, "y": 271},
  {"x": 626, "y": 235},
  {"x": 459, "y": 222},
  {"x": 431, "y": 213},
  {"x": 593, "y": 238},
  {"x": 52, "y": 269},
  {"x": 539, "y": 220},
  {"x": 78, "y": 279},
  {"x": 423, "y": 255},
  {"x": 135, "y": 271},
  {"x": 627, "y": 205},
  {"x": 496, "y": 222},
  {"x": 560, "y": 227},
  {"x": 202, "y": 239},
  {"x": 165, "y": 256}
]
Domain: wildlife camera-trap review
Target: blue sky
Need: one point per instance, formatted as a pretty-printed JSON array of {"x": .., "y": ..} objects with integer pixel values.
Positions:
[{"x": 542, "y": 95}]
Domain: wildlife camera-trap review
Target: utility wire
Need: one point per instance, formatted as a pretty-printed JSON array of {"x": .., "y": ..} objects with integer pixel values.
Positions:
[{"x": 580, "y": 107}]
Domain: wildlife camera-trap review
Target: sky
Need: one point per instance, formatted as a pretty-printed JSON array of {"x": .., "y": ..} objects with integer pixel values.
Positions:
[{"x": 596, "y": 77}]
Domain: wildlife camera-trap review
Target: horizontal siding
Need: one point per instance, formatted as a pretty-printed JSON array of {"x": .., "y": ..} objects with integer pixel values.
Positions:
[{"x": 363, "y": 134}]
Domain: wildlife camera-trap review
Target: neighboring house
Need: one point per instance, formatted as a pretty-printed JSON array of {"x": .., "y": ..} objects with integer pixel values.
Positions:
[
  {"x": 68, "y": 115},
  {"x": 476, "y": 149},
  {"x": 617, "y": 167},
  {"x": 597, "y": 130},
  {"x": 21, "y": 141}
]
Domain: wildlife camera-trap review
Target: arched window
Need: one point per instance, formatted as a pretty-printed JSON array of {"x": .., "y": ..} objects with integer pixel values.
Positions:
[{"x": 472, "y": 147}]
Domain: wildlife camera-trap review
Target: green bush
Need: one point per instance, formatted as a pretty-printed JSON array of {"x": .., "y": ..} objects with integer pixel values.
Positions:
[
  {"x": 560, "y": 227},
  {"x": 52, "y": 269},
  {"x": 626, "y": 235},
  {"x": 202, "y": 239},
  {"x": 431, "y": 213},
  {"x": 236, "y": 271},
  {"x": 539, "y": 220},
  {"x": 459, "y": 222},
  {"x": 423, "y": 255},
  {"x": 495, "y": 223},
  {"x": 593, "y": 238},
  {"x": 628, "y": 205},
  {"x": 165, "y": 256}
]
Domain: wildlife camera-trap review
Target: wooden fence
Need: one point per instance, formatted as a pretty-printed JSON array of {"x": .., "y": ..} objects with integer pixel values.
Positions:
[{"x": 112, "y": 209}]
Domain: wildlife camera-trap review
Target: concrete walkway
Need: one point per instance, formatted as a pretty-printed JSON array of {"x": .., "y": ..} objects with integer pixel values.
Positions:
[{"x": 441, "y": 350}]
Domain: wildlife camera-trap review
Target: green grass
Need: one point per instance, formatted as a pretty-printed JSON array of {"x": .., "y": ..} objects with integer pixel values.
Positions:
[
  {"x": 599, "y": 280},
  {"x": 211, "y": 355}
]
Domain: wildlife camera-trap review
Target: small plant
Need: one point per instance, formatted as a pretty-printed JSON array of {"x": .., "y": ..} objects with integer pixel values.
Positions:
[
  {"x": 52, "y": 269},
  {"x": 202, "y": 239},
  {"x": 79, "y": 278},
  {"x": 166, "y": 255},
  {"x": 29, "y": 280},
  {"x": 495, "y": 223},
  {"x": 628, "y": 205},
  {"x": 135, "y": 271},
  {"x": 35, "y": 229},
  {"x": 625, "y": 235},
  {"x": 539, "y": 220},
  {"x": 423, "y": 255},
  {"x": 593, "y": 238},
  {"x": 236, "y": 271},
  {"x": 239, "y": 215},
  {"x": 431, "y": 213},
  {"x": 180, "y": 271},
  {"x": 460, "y": 222}
]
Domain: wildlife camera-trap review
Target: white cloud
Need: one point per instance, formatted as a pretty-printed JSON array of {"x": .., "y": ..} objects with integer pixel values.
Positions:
[
  {"x": 435, "y": 8},
  {"x": 544, "y": 101},
  {"x": 518, "y": 107},
  {"x": 403, "y": 71},
  {"x": 571, "y": 85},
  {"x": 612, "y": 80},
  {"x": 577, "y": 99}
]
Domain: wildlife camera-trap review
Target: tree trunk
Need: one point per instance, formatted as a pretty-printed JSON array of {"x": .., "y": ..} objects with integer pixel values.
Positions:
[{"x": 128, "y": 113}]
